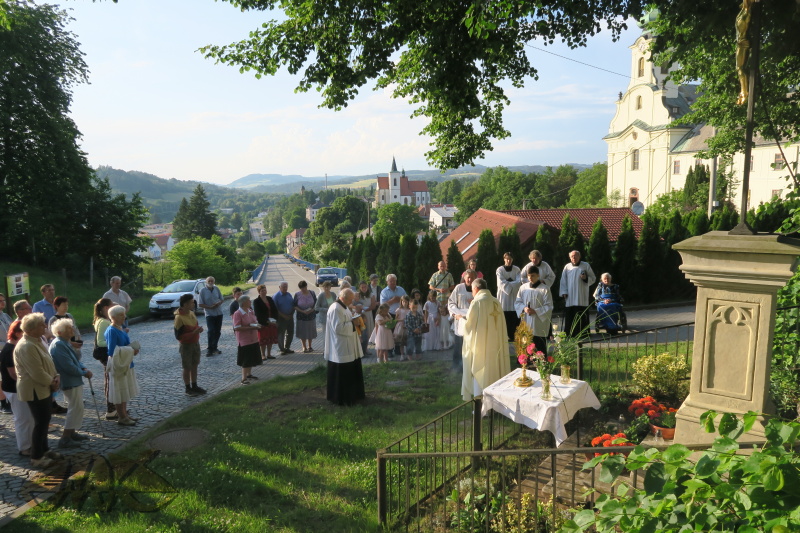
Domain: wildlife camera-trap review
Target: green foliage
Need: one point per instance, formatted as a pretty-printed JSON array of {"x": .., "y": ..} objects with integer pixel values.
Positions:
[
  {"x": 406, "y": 262},
  {"x": 785, "y": 374},
  {"x": 197, "y": 258},
  {"x": 666, "y": 203},
  {"x": 369, "y": 256},
  {"x": 509, "y": 242},
  {"x": 544, "y": 242},
  {"x": 272, "y": 247},
  {"x": 353, "y": 260},
  {"x": 53, "y": 209},
  {"x": 721, "y": 490},
  {"x": 470, "y": 200},
  {"x": 724, "y": 219},
  {"x": 569, "y": 239},
  {"x": 446, "y": 192},
  {"x": 590, "y": 188},
  {"x": 553, "y": 187},
  {"x": 487, "y": 258},
  {"x": 696, "y": 222},
  {"x": 664, "y": 376},
  {"x": 599, "y": 255},
  {"x": 625, "y": 258},
  {"x": 770, "y": 216},
  {"x": 638, "y": 429},
  {"x": 398, "y": 219},
  {"x": 455, "y": 261},
  {"x": 649, "y": 259},
  {"x": 428, "y": 256},
  {"x": 194, "y": 218}
]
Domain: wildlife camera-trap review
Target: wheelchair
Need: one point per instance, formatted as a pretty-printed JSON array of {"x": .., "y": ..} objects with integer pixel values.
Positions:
[{"x": 610, "y": 317}]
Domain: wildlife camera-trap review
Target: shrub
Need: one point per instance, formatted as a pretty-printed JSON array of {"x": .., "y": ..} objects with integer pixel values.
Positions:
[{"x": 662, "y": 376}]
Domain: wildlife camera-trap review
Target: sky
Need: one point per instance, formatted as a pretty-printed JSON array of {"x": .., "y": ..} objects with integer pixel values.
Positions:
[{"x": 155, "y": 105}]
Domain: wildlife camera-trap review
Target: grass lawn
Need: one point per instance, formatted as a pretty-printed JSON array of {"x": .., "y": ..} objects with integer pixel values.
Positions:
[{"x": 279, "y": 457}]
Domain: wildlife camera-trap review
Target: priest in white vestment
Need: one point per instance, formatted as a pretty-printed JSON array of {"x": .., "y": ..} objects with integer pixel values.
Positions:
[
  {"x": 485, "y": 354},
  {"x": 343, "y": 352},
  {"x": 576, "y": 278}
]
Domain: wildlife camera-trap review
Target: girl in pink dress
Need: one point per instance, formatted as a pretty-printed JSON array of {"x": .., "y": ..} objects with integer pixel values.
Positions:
[
  {"x": 400, "y": 328},
  {"x": 431, "y": 310},
  {"x": 383, "y": 336}
]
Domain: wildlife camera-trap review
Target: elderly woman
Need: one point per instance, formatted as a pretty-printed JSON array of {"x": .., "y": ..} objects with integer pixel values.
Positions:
[
  {"x": 267, "y": 315},
  {"x": 23, "y": 421},
  {"x": 122, "y": 384},
  {"x": 304, "y": 302},
  {"x": 61, "y": 303},
  {"x": 36, "y": 380},
  {"x": 609, "y": 305},
  {"x": 72, "y": 373},
  {"x": 343, "y": 353},
  {"x": 246, "y": 326},
  {"x": 324, "y": 301}
]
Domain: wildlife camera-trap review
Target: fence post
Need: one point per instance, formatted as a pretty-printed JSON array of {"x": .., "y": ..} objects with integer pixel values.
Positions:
[
  {"x": 381, "y": 488},
  {"x": 476, "y": 425}
]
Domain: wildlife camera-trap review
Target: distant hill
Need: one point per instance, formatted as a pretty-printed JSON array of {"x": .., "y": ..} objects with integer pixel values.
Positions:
[{"x": 283, "y": 184}]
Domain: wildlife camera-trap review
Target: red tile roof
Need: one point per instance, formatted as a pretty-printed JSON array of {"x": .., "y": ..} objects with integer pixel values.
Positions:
[
  {"x": 612, "y": 219},
  {"x": 297, "y": 233},
  {"x": 407, "y": 187},
  {"x": 383, "y": 182},
  {"x": 468, "y": 232}
]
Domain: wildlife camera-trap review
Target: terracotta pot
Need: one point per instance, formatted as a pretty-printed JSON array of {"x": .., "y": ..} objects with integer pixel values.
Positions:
[{"x": 666, "y": 433}]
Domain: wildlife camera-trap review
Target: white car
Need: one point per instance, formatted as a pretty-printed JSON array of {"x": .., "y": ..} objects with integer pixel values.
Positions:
[{"x": 166, "y": 302}]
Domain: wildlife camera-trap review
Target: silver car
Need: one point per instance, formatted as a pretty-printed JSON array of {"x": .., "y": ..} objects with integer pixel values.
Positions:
[{"x": 166, "y": 302}]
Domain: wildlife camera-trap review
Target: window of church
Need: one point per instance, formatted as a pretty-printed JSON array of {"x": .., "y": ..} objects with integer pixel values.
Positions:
[
  {"x": 635, "y": 160},
  {"x": 780, "y": 163},
  {"x": 676, "y": 166},
  {"x": 641, "y": 67},
  {"x": 638, "y": 102},
  {"x": 776, "y": 193},
  {"x": 752, "y": 162},
  {"x": 664, "y": 69},
  {"x": 395, "y": 184}
]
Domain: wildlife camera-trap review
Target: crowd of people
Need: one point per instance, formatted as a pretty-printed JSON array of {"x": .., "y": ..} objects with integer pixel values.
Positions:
[{"x": 41, "y": 353}]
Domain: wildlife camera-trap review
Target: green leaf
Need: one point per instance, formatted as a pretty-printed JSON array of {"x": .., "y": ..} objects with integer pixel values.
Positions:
[
  {"x": 707, "y": 421},
  {"x": 749, "y": 419},
  {"x": 773, "y": 478},
  {"x": 730, "y": 426},
  {"x": 725, "y": 445},
  {"x": 584, "y": 518},
  {"x": 640, "y": 457},
  {"x": 675, "y": 453},
  {"x": 655, "y": 479},
  {"x": 706, "y": 466}
]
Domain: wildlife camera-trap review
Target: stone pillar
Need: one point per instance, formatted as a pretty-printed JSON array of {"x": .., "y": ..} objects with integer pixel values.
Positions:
[{"x": 737, "y": 279}]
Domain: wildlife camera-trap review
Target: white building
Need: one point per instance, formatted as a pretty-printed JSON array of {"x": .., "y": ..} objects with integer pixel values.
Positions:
[
  {"x": 647, "y": 157},
  {"x": 397, "y": 188},
  {"x": 442, "y": 216},
  {"x": 311, "y": 211}
]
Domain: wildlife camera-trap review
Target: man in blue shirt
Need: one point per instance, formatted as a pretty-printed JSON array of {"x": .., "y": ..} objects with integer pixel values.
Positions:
[
  {"x": 391, "y": 294},
  {"x": 285, "y": 304},
  {"x": 210, "y": 300},
  {"x": 46, "y": 307}
]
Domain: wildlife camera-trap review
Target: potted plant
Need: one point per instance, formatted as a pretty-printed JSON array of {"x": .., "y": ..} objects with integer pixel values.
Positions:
[
  {"x": 660, "y": 416},
  {"x": 599, "y": 429}
]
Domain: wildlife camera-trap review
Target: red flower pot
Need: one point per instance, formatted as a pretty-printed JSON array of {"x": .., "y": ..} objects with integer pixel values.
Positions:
[{"x": 666, "y": 433}]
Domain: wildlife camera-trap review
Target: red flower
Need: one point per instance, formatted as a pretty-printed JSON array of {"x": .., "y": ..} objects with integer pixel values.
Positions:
[{"x": 639, "y": 412}]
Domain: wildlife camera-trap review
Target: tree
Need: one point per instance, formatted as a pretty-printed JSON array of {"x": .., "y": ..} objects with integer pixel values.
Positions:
[
  {"x": 194, "y": 218},
  {"x": 696, "y": 222},
  {"x": 397, "y": 219},
  {"x": 724, "y": 219},
  {"x": 197, "y": 257},
  {"x": 649, "y": 259},
  {"x": 599, "y": 255},
  {"x": 590, "y": 188},
  {"x": 428, "y": 256},
  {"x": 453, "y": 60},
  {"x": 509, "y": 242},
  {"x": 369, "y": 255},
  {"x": 553, "y": 187},
  {"x": 544, "y": 243},
  {"x": 569, "y": 239},
  {"x": 487, "y": 258},
  {"x": 455, "y": 261},
  {"x": 625, "y": 259},
  {"x": 406, "y": 263},
  {"x": 446, "y": 192},
  {"x": 295, "y": 218},
  {"x": 470, "y": 200},
  {"x": 354, "y": 260}
]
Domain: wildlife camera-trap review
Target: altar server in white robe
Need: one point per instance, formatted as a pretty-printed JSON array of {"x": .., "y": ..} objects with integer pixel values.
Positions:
[
  {"x": 534, "y": 305},
  {"x": 486, "y": 355},
  {"x": 343, "y": 352},
  {"x": 576, "y": 278},
  {"x": 508, "y": 283}
]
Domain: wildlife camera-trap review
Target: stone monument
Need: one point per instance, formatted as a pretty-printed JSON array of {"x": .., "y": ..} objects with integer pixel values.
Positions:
[{"x": 737, "y": 279}]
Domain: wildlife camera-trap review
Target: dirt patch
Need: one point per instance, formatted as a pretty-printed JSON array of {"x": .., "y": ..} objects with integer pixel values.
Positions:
[
  {"x": 308, "y": 398},
  {"x": 178, "y": 440}
]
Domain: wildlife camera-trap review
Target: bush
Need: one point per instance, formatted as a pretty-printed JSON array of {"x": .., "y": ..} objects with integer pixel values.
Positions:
[{"x": 663, "y": 376}]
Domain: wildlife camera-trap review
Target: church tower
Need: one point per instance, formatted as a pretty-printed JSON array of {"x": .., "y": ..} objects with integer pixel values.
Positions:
[{"x": 394, "y": 181}]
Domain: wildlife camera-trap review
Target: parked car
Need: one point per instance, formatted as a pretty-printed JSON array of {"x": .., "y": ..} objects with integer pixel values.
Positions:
[
  {"x": 327, "y": 274},
  {"x": 166, "y": 302}
]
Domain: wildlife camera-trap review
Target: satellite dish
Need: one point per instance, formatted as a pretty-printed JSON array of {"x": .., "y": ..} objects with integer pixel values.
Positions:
[{"x": 637, "y": 208}]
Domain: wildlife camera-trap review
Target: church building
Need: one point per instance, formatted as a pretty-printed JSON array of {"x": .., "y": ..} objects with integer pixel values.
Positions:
[
  {"x": 397, "y": 188},
  {"x": 647, "y": 157}
]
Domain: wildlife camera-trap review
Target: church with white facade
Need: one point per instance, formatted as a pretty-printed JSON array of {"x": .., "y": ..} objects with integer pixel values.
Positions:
[
  {"x": 397, "y": 188},
  {"x": 647, "y": 157}
]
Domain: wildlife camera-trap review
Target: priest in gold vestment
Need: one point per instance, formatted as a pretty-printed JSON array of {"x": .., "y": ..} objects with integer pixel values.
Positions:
[{"x": 485, "y": 352}]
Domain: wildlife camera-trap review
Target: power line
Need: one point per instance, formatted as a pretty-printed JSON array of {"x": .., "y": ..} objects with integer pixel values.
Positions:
[{"x": 579, "y": 62}]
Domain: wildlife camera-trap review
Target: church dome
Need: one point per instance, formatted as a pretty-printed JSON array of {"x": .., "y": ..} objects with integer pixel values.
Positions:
[{"x": 649, "y": 16}]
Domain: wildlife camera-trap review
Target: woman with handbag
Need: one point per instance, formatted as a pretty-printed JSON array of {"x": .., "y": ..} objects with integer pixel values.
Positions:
[
  {"x": 306, "y": 329},
  {"x": 267, "y": 315},
  {"x": 101, "y": 323}
]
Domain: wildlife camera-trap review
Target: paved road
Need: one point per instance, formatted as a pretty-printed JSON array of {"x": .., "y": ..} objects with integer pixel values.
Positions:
[{"x": 159, "y": 375}]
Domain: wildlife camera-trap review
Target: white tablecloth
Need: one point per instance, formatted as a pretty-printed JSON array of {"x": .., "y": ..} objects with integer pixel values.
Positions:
[{"x": 524, "y": 405}]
